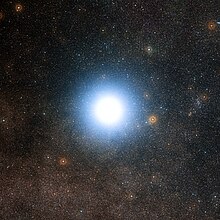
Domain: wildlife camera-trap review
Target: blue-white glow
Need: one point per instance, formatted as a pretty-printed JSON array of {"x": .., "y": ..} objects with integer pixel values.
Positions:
[{"x": 108, "y": 110}]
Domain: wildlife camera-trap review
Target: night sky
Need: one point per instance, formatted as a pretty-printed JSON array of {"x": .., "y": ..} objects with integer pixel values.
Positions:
[{"x": 162, "y": 57}]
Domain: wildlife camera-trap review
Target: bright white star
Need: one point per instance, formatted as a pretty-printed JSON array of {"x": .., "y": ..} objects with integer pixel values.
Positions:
[{"x": 108, "y": 110}]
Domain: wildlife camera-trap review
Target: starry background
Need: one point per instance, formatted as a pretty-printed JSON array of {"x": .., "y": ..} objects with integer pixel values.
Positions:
[{"x": 165, "y": 165}]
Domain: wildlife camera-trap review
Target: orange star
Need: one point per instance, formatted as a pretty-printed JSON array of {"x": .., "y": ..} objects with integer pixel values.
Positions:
[
  {"x": 212, "y": 25},
  {"x": 18, "y": 7},
  {"x": 153, "y": 119},
  {"x": 63, "y": 161}
]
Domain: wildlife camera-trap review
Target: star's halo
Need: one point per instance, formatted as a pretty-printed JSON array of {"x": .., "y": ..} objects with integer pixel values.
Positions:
[{"x": 107, "y": 110}]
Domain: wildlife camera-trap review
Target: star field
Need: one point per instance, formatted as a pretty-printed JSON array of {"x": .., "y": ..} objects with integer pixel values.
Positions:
[{"x": 163, "y": 163}]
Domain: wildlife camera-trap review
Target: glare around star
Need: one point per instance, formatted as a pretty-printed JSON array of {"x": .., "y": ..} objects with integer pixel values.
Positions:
[{"x": 108, "y": 111}]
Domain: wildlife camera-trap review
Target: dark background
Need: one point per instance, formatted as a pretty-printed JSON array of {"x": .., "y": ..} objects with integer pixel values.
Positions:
[{"x": 165, "y": 54}]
